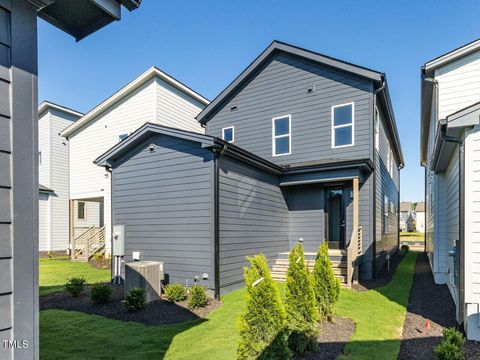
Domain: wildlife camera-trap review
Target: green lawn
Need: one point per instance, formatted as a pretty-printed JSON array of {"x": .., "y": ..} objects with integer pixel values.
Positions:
[
  {"x": 55, "y": 272},
  {"x": 379, "y": 317}
]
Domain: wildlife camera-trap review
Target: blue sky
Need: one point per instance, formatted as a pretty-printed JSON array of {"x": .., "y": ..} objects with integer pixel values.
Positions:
[{"x": 206, "y": 44}]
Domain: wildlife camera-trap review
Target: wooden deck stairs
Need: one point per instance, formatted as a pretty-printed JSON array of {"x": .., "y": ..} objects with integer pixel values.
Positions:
[
  {"x": 337, "y": 257},
  {"x": 88, "y": 244}
]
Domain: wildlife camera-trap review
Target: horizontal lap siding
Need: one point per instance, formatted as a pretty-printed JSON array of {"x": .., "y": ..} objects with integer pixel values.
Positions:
[
  {"x": 167, "y": 206},
  {"x": 281, "y": 89},
  {"x": 253, "y": 219}
]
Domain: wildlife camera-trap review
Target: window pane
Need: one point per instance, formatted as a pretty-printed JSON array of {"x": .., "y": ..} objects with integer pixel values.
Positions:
[
  {"x": 4, "y": 56},
  {"x": 4, "y": 26},
  {"x": 281, "y": 126},
  {"x": 342, "y": 115},
  {"x": 343, "y": 136},
  {"x": 228, "y": 135},
  {"x": 282, "y": 145}
]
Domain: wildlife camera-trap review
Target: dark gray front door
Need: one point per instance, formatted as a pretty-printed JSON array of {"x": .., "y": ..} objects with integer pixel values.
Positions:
[{"x": 335, "y": 217}]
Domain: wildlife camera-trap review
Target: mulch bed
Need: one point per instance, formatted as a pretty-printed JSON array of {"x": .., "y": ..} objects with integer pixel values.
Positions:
[
  {"x": 428, "y": 301},
  {"x": 102, "y": 264},
  {"x": 332, "y": 339},
  {"x": 383, "y": 277},
  {"x": 160, "y": 312}
]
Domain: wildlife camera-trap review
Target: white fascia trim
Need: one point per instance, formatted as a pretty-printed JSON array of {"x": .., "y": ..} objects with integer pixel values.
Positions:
[
  {"x": 45, "y": 105},
  {"x": 453, "y": 55},
  {"x": 128, "y": 89},
  {"x": 341, "y": 126},
  {"x": 289, "y": 135}
]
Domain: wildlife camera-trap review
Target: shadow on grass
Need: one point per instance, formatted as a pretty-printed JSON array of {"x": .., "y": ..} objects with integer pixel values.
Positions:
[{"x": 83, "y": 336}]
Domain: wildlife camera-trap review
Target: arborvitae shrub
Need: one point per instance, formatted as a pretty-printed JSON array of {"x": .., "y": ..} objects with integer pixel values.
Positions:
[
  {"x": 75, "y": 286},
  {"x": 263, "y": 331},
  {"x": 198, "y": 297},
  {"x": 175, "y": 292},
  {"x": 302, "y": 314},
  {"x": 100, "y": 293},
  {"x": 135, "y": 299},
  {"x": 326, "y": 286},
  {"x": 452, "y": 346}
]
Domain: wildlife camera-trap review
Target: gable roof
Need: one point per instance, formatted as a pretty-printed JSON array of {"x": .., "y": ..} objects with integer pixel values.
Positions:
[
  {"x": 451, "y": 56},
  {"x": 405, "y": 206},
  {"x": 420, "y": 207},
  {"x": 378, "y": 78},
  {"x": 46, "y": 105},
  {"x": 127, "y": 90},
  {"x": 274, "y": 48}
]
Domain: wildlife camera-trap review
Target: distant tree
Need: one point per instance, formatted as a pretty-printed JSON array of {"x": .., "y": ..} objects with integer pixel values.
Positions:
[
  {"x": 300, "y": 306},
  {"x": 263, "y": 330},
  {"x": 326, "y": 286}
]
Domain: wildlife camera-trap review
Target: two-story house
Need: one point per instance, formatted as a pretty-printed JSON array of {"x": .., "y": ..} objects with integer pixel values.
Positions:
[
  {"x": 155, "y": 97},
  {"x": 450, "y": 148},
  {"x": 299, "y": 147},
  {"x": 53, "y": 176}
]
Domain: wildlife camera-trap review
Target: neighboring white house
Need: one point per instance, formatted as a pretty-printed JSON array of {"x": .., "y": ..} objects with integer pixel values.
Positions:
[
  {"x": 406, "y": 216},
  {"x": 450, "y": 152},
  {"x": 53, "y": 176},
  {"x": 420, "y": 217},
  {"x": 152, "y": 97}
]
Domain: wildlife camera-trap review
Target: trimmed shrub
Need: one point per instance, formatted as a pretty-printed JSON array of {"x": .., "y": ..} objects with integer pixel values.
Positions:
[
  {"x": 175, "y": 292},
  {"x": 300, "y": 306},
  {"x": 135, "y": 299},
  {"x": 100, "y": 293},
  {"x": 326, "y": 286},
  {"x": 198, "y": 297},
  {"x": 263, "y": 331},
  {"x": 75, "y": 286},
  {"x": 452, "y": 346},
  {"x": 98, "y": 257}
]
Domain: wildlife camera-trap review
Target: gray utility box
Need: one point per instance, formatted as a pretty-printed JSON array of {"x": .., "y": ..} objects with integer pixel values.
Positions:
[{"x": 145, "y": 275}]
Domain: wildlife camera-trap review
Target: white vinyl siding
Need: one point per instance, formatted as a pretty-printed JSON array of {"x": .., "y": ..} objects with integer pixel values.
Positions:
[
  {"x": 44, "y": 131},
  {"x": 44, "y": 234},
  {"x": 459, "y": 84}
]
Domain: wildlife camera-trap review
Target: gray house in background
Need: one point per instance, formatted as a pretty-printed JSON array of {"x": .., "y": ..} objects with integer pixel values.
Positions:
[
  {"x": 300, "y": 146},
  {"x": 19, "y": 188}
]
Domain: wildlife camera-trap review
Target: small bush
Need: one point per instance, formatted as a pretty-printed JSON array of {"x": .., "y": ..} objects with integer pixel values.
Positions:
[
  {"x": 75, "y": 286},
  {"x": 263, "y": 331},
  {"x": 98, "y": 257},
  {"x": 175, "y": 292},
  {"x": 135, "y": 299},
  {"x": 300, "y": 306},
  {"x": 327, "y": 287},
  {"x": 100, "y": 293},
  {"x": 452, "y": 346},
  {"x": 198, "y": 297}
]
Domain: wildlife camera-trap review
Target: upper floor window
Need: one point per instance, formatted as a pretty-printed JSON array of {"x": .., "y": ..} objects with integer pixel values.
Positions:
[
  {"x": 122, "y": 137},
  {"x": 39, "y": 158},
  {"x": 377, "y": 129},
  {"x": 228, "y": 134},
  {"x": 281, "y": 135},
  {"x": 81, "y": 210},
  {"x": 342, "y": 125}
]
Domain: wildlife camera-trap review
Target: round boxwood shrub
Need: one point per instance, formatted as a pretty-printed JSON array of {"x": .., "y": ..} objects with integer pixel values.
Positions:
[
  {"x": 100, "y": 293},
  {"x": 75, "y": 286},
  {"x": 198, "y": 297},
  {"x": 326, "y": 286},
  {"x": 452, "y": 346},
  {"x": 300, "y": 306},
  {"x": 135, "y": 299},
  {"x": 263, "y": 331},
  {"x": 175, "y": 292}
]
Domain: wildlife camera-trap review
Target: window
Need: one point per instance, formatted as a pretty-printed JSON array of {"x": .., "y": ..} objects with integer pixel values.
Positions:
[
  {"x": 5, "y": 37},
  {"x": 281, "y": 135},
  {"x": 122, "y": 137},
  {"x": 389, "y": 159},
  {"x": 377, "y": 129},
  {"x": 81, "y": 210},
  {"x": 39, "y": 158},
  {"x": 228, "y": 134},
  {"x": 385, "y": 214},
  {"x": 342, "y": 125}
]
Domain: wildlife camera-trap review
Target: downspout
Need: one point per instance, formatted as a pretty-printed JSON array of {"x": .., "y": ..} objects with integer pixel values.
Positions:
[
  {"x": 461, "y": 200},
  {"x": 374, "y": 261},
  {"x": 118, "y": 266}
]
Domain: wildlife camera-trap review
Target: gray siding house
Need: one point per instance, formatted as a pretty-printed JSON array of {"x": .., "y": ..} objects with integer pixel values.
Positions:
[{"x": 300, "y": 147}]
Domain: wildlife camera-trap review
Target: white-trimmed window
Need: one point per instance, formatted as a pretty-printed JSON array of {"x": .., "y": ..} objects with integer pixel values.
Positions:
[
  {"x": 81, "y": 210},
  {"x": 377, "y": 129},
  {"x": 343, "y": 125},
  {"x": 385, "y": 214},
  {"x": 281, "y": 135},
  {"x": 228, "y": 134},
  {"x": 389, "y": 159}
]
